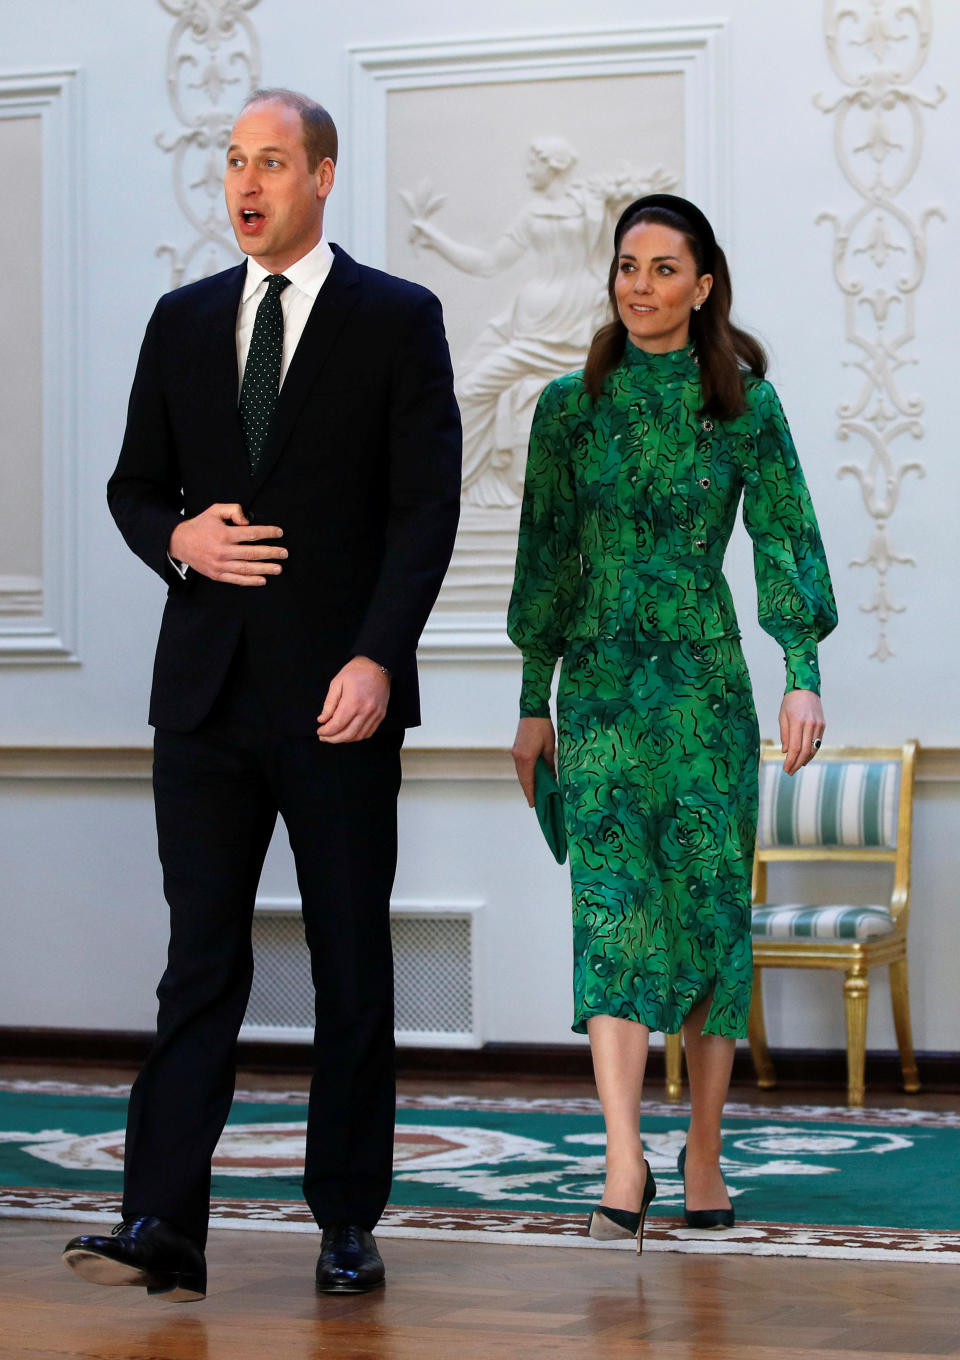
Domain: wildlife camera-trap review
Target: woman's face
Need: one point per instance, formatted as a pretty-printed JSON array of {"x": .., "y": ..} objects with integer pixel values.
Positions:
[{"x": 657, "y": 287}]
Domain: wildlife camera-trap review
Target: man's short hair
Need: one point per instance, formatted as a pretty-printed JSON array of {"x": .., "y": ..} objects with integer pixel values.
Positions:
[{"x": 319, "y": 130}]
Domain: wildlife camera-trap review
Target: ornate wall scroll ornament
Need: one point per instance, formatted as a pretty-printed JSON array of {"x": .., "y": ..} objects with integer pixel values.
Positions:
[
  {"x": 213, "y": 51},
  {"x": 565, "y": 231},
  {"x": 877, "y": 47}
]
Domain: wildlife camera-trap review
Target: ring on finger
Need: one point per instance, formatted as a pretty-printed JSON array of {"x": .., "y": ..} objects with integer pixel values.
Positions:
[{"x": 817, "y": 744}]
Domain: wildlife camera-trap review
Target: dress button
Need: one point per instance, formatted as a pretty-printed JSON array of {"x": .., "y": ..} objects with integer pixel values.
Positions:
[
  {"x": 705, "y": 483},
  {"x": 701, "y": 543},
  {"x": 632, "y": 476},
  {"x": 707, "y": 425}
]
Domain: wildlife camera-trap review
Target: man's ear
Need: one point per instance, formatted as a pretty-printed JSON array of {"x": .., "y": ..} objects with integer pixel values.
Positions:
[{"x": 324, "y": 176}]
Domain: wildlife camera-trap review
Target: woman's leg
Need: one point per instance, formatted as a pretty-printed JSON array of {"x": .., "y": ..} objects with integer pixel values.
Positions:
[
  {"x": 619, "y": 1051},
  {"x": 709, "y": 1064}
]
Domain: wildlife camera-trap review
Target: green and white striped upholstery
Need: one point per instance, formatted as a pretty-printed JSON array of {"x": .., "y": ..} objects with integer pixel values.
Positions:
[
  {"x": 789, "y": 921},
  {"x": 849, "y": 803}
]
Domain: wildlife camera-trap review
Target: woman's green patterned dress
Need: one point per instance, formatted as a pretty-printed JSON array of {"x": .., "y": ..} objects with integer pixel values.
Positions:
[{"x": 628, "y": 507}]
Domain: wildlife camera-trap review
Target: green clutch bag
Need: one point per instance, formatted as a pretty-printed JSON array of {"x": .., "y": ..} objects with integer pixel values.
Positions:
[{"x": 549, "y": 808}]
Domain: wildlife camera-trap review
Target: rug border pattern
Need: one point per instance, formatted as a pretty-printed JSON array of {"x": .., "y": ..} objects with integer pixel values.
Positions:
[
  {"x": 571, "y": 1105},
  {"x": 511, "y": 1228}
]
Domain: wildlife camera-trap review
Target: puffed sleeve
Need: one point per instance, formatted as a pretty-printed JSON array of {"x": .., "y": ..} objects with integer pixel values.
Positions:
[
  {"x": 548, "y": 564},
  {"x": 794, "y": 595}
]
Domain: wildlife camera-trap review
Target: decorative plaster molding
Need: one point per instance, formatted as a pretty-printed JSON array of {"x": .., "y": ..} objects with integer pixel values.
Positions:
[
  {"x": 211, "y": 41},
  {"x": 38, "y": 615},
  {"x": 877, "y": 47},
  {"x": 21, "y": 597},
  {"x": 424, "y": 764}
]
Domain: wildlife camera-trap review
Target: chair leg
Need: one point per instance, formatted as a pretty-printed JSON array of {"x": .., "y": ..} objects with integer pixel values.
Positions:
[
  {"x": 856, "y": 991},
  {"x": 757, "y": 1031},
  {"x": 673, "y": 1061},
  {"x": 900, "y": 996}
]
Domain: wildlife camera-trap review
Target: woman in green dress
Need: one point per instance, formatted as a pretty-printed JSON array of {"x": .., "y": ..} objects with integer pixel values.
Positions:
[{"x": 635, "y": 471}]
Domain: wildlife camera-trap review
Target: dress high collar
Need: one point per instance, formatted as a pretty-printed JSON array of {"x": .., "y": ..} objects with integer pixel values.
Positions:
[{"x": 677, "y": 363}]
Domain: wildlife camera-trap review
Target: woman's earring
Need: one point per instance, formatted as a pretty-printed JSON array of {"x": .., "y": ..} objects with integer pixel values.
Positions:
[{"x": 697, "y": 306}]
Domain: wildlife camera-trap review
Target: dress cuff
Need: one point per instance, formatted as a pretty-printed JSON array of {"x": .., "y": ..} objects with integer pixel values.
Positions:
[
  {"x": 803, "y": 669},
  {"x": 538, "y": 668}
]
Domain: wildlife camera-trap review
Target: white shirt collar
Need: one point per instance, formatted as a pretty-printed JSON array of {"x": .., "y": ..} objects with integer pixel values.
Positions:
[{"x": 308, "y": 273}]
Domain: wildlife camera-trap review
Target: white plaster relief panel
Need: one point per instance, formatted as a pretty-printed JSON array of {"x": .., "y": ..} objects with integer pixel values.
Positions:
[
  {"x": 561, "y": 240},
  {"x": 500, "y": 175}
]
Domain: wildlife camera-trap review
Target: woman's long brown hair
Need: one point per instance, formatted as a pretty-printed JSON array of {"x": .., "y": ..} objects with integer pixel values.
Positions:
[{"x": 722, "y": 349}]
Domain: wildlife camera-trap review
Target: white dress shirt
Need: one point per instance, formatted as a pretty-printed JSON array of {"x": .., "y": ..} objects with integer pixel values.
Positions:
[{"x": 307, "y": 277}]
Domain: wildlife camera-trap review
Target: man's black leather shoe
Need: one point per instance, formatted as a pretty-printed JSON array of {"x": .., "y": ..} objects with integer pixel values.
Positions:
[
  {"x": 142, "y": 1251},
  {"x": 349, "y": 1262}
]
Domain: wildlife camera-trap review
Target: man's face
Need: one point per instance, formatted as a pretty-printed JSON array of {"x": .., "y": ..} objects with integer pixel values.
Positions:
[{"x": 274, "y": 201}]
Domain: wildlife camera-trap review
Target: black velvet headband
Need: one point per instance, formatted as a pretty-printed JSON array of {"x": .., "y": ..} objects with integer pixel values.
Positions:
[{"x": 699, "y": 226}]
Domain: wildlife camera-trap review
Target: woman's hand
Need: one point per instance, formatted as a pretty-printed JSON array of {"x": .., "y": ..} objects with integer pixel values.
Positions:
[
  {"x": 535, "y": 737},
  {"x": 801, "y": 724}
]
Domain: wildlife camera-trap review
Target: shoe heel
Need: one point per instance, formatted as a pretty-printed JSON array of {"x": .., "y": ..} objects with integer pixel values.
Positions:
[
  {"x": 643, "y": 1220},
  {"x": 184, "y": 1286},
  {"x": 649, "y": 1195}
]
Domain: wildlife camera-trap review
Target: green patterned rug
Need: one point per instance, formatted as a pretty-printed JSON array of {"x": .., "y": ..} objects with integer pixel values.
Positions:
[{"x": 806, "y": 1181}]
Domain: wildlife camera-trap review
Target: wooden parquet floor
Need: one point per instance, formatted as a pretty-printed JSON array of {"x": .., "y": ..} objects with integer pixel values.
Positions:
[
  {"x": 446, "y": 1301},
  {"x": 458, "y": 1301}
]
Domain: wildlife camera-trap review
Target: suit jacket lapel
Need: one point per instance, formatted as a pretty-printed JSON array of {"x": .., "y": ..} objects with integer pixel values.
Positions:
[
  {"x": 336, "y": 299},
  {"x": 218, "y": 325}
]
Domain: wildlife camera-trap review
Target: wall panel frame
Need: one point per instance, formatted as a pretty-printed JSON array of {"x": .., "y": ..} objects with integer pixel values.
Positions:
[{"x": 38, "y": 611}]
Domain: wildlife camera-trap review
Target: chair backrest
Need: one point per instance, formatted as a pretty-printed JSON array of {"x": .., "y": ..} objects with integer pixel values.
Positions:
[
  {"x": 831, "y": 801},
  {"x": 848, "y": 803}
]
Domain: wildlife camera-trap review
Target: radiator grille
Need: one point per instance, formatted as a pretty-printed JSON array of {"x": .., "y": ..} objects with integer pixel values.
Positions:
[
  {"x": 282, "y": 994},
  {"x": 433, "y": 974}
]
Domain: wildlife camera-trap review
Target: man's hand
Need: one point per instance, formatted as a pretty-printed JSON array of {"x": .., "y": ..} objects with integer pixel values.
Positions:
[
  {"x": 801, "y": 724},
  {"x": 356, "y": 702},
  {"x": 535, "y": 737},
  {"x": 222, "y": 543}
]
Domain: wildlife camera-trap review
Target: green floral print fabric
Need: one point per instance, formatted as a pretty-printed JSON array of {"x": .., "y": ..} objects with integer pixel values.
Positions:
[
  {"x": 657, "y": 759},
  {"x": 628, "y": 506}
]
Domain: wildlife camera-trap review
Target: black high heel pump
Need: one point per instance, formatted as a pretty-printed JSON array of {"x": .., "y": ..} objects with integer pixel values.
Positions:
[
  {"x": 609, "y": 1225},
  {"x": 703, "y": 1218}
]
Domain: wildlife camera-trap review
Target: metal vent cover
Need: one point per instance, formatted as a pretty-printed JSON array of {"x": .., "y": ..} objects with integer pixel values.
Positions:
[{"x": 434, "y": 978}]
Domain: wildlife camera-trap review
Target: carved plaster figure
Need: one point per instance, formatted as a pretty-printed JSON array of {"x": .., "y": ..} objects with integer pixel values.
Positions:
[{"x": 563, "y": 231}]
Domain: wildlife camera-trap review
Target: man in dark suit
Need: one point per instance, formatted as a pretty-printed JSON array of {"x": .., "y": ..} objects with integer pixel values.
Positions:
[{"x": 303, "y": 536}]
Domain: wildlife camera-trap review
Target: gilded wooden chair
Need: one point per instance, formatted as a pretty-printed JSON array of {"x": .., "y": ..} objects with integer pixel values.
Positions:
[{"x": 849, "y": 805}]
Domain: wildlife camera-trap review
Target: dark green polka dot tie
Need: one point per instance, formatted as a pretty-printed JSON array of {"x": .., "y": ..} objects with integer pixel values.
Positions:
[{"x": 261, "y": 373}]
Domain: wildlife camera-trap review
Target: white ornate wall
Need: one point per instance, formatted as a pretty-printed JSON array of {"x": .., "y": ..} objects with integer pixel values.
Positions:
[{"x": 821, "y": 141}]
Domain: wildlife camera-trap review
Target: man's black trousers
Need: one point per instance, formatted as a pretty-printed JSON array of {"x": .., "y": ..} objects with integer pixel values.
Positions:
[{"x": 218, "y": 791}]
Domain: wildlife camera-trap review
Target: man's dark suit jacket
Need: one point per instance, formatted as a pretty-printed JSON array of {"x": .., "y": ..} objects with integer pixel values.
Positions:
[{"x": 361, "y": 471}]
